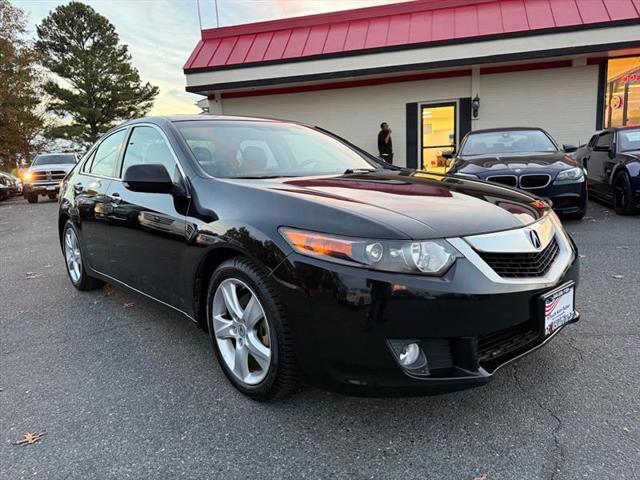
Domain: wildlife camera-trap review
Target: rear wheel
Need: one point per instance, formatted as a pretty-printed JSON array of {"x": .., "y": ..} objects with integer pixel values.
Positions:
[
  {"x": 73, "y": 259},
  {"x": 249, "y": 331},
  {"x": 623, "y": 195},
  {"x": 32, "y": 198}
]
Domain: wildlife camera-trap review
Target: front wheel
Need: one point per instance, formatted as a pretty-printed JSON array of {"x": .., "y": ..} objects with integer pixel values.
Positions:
[
  {"x": 623, "y": 195},
  {"x": 32, "y": 198},
  {"x": 74, "y": 261},
  {"x": 249, "y": 331}
]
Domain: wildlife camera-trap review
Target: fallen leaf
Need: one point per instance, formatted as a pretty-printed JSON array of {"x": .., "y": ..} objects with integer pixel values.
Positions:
[
  {"x": 128, "y": 305},
  {"x": 617, "y": 276},
  {"x": 32, "y": 275},
  {"x": 623, "y": 247},
  {"x": 48, "y": 266},
  {"x": 30, "y": 438},
  {"x": 581, "y": 256},
  {"x": 482, "y": 476}
]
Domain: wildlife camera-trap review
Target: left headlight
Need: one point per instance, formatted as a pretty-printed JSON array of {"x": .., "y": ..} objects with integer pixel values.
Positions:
[
  {"x": 27, "y": 176},
  {"x": 572, "y": 175},
  {"x": 429, "y": 257}
]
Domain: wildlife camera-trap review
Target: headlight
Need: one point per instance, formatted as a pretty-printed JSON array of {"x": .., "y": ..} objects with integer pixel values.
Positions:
[
  {"x": 27, "y": 176},
  {"x": 572, "y": 175},
  {"x": 429, "y": 257}
]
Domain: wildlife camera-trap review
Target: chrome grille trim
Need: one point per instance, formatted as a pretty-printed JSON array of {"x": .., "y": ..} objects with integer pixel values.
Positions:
[
  {"x": 529, "y": 176},
  {"x": 499, "y": 179},
  {"x": 563, "y": 259}
]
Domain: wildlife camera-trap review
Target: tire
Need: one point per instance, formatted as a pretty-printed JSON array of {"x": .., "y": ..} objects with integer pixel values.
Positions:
[
  {"x": 243, "y": 335},
  {"x": 32, "y": 198},
  {"x": 76, "y": 267},
  {"x": 622, "y": 195},
  {"x": 52, "y": 197}
]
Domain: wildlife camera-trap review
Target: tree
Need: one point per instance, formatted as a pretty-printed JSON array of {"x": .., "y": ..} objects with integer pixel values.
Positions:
[
  {"x": 97, "y": 87},
  {"x": 20, "y": 122}
]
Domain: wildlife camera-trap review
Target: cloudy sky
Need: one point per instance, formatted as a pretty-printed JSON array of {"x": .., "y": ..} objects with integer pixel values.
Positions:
[{"x": 162, "y": 33}]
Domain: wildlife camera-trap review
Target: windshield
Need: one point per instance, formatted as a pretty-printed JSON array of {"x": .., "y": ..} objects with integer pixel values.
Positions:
[
  {"x": 54, "y": 159},
  {"x": 255, "y": 149},
  {"x": 629, "y": 140},
  {"x": 508, "y": 141}
]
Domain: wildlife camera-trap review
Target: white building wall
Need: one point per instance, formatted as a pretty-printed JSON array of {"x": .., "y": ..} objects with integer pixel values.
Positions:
[
  {"x": 354, "y": 113},
  {"x": 563, "y": 101}
]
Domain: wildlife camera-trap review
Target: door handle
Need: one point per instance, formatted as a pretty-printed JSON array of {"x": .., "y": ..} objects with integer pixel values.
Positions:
[
  {"x": 115, "y": 198},
  {"x": 77, "y": 187}
]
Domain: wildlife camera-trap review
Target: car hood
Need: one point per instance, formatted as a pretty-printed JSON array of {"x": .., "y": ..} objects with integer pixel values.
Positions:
[
  {"x": 419, "y": 204},
  {"x": 56, "y": 166},
  {"x": 514, "y": 164}
]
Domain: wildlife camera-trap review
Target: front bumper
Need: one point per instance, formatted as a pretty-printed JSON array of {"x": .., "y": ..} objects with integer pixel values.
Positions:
[
  {"x": 565, "y": 198},
  {"x": 343, "y": 317},
  {"x": 41, "y": 188}
]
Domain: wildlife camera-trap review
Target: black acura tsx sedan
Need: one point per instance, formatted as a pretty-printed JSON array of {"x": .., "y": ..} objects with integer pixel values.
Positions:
[{"x": 307, "y": 260}]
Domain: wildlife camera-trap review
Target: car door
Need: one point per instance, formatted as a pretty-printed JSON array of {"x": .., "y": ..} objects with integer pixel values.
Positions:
[
  {"x": 147, "y": 237},
  {"x": 90, "y": 186},
  {"x": 597, "y": 162}
]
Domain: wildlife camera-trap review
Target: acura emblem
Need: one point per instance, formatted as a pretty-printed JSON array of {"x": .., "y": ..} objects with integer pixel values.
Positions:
[{"x": 534, "y": 238}]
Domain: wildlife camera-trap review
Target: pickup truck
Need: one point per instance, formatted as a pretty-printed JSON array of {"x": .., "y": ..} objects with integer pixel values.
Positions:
[{"x": 45, "y": 174}]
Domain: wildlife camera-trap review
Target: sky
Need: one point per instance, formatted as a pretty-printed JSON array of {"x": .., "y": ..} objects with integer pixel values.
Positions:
[{"x": 162, "y": 33}]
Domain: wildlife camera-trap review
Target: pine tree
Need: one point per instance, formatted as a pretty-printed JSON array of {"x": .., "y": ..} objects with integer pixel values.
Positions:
[
  {"x": 82, "y": 48},
  {"x": 20, "y": 122}
]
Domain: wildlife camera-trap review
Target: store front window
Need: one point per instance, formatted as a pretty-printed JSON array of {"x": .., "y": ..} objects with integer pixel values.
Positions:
[
  {"x": 622, "y": 99},
  {"x": 438, "y": 135}
]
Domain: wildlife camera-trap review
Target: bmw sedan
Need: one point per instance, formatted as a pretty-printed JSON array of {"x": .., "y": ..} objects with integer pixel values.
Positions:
[
  {"x": 528, "y": 159},
  {"x": 307, "y": 261}
]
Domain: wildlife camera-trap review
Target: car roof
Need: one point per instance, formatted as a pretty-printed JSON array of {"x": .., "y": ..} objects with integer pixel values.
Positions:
[
  {"x": 207, "y": 117},
  {"x": 505, "y": 129}
]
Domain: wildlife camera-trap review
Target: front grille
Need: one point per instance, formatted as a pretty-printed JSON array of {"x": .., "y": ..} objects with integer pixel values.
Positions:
[
  {"x": 49, "y": 175},
  {"x": 522, "y": 265},
  {"x": 508, "y": 180},
  {"x": 535, "y": 181},
  {"x": 495, "y": 345}
]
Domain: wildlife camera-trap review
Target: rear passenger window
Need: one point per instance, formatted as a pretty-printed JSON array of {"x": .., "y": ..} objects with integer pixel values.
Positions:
[
  {"x": 106, "y": 156},
  {"x": 146, "y": 145}
]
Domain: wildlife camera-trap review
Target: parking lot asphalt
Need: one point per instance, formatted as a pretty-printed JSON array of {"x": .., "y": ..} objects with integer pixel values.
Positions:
[{"x": 125, "y": 388}]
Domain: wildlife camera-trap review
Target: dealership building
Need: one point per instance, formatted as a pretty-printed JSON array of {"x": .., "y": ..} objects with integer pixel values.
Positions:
[{"x": 433, "y": 69}]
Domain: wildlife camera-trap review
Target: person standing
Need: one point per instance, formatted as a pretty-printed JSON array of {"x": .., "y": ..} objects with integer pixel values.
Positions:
[{"x": 385, "y": 145}]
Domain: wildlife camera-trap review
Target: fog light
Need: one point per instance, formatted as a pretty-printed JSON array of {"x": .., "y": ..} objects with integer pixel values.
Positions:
[{"x": 409, "y": 354}]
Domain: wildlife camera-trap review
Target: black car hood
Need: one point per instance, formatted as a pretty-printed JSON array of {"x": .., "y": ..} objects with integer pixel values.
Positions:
[
  {"x": 486, "y": 165},
  {"x": 419, "y": 204}
]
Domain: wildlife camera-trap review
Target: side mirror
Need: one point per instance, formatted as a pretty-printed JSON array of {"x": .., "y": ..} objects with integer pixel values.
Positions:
[
  {"x": 569, "y": 148},
  {"x": 448, "y": 155},
  {"x": 612, "y": 152},
  {"x": 149, "y": 178}
]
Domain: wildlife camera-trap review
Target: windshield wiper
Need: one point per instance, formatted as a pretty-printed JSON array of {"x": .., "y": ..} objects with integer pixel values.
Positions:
[{"x": 358, "y": 170}]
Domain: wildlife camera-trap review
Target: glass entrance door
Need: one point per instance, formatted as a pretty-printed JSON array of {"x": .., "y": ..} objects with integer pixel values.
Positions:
[{"x": 438, "y": 135}]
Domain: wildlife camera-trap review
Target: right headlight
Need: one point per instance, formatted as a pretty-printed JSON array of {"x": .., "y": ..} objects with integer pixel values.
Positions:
[
  {"x": 428, "y": 257},
  {"x": 572, "y": 175}
]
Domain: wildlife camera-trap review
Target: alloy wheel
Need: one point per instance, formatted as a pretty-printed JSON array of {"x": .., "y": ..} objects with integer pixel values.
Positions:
[
  {"x": 241, "y": 331},
  {"x": 72, "y": 255}
]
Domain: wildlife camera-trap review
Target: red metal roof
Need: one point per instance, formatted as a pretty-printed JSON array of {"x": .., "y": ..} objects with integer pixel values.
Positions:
[{"x": 393, "y": 25}]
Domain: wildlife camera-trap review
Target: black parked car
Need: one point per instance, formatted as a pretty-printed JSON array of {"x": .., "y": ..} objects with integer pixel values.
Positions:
[
  {"x": 306, "y": 260},
  {"x": 612, "y": 161},
  {"x": 528, "y": 159}
]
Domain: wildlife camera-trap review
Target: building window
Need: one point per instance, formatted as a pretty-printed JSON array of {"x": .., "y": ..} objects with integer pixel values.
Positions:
[{"x": 622, "y": 99}]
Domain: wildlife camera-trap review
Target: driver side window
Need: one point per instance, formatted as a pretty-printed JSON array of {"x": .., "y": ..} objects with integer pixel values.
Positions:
[
  {"x": 145, "y": 146},
  {"x": 604, "y": 141}
]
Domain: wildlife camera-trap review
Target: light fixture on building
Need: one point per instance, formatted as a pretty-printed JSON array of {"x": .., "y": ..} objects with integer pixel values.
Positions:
[{"x": 475, "y": 106}]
